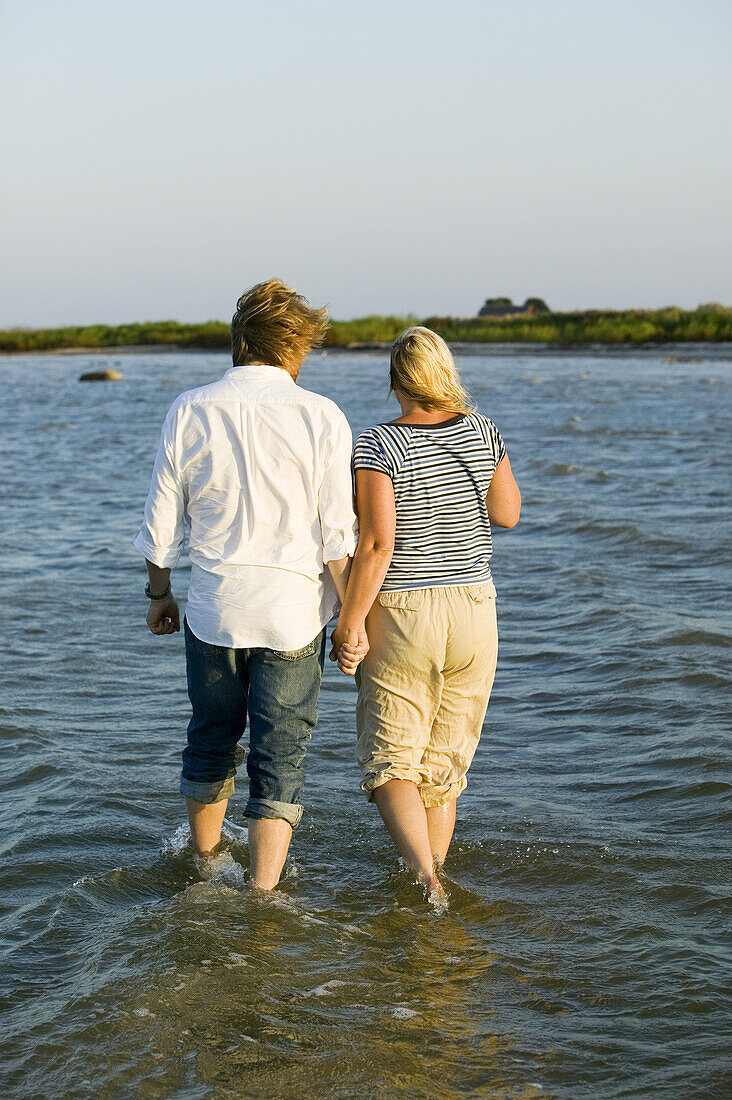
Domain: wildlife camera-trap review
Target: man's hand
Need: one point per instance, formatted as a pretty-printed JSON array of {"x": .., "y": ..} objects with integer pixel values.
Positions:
[
  {"x": 163, "y": 616},
  {"x": 349, "y": 647}
]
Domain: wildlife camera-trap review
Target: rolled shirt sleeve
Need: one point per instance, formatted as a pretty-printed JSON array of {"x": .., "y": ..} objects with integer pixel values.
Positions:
[
  {"x": 161, "y": 536},
  {"x": 335, "y": 498}
]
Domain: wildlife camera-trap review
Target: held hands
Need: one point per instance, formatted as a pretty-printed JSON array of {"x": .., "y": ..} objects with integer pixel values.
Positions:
[
  {"x": 349, "y": 648},
  {"x": 163, "y": 616}
]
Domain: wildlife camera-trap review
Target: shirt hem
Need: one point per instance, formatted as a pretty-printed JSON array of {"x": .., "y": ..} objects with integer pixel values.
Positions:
[
  {"x": 257, "y": 640},
  {"x": 438, "y": 584}
]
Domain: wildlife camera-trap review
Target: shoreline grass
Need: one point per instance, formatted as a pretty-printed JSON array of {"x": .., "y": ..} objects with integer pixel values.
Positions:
[{"x": 707, "y": 324}]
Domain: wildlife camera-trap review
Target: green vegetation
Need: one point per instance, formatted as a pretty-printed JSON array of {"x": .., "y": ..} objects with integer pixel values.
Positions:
[
  {"x": 537, "y": 304},
  {"x": 367, "y": 330},
  {"x": 211, "y": 335},
  {"x": 711, "y": 322}
]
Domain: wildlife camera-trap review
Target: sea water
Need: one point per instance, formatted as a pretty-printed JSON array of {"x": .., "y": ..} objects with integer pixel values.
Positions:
[{"x": 582, "y": 950}]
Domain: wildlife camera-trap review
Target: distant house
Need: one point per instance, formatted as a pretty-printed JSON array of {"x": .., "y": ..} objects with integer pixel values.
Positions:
[{"x": 504, "y": 307}]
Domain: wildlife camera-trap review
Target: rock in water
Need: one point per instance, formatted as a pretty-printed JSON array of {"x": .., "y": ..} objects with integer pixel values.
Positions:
[{"x": 101, "y": 376}]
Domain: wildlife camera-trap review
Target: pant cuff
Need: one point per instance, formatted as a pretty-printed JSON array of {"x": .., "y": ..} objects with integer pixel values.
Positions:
[
  {"x": 215, "y": 791},
  {"x": 374, "y": 779},
  {"x": 433, "y": 797},
  {"x": 269, "y": 809}
]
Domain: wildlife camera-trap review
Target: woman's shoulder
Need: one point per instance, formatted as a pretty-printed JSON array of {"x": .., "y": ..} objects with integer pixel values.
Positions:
[
  {"x": 482, "y": 424},
  {"x": 489, "y": 434},
  {"x": 479, "y": 419},
  {"x": 381, "y": 446},
  {"x": 384, "y": 434}
]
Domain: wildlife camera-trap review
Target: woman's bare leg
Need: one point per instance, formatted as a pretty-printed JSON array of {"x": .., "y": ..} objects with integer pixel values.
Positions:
[
  {"x": 440, "y": 825},
  {"x": 404, "y": 815}
]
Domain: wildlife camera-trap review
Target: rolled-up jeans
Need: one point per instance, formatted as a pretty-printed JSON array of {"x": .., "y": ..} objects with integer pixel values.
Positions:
[{"x": 278, "y": 691}]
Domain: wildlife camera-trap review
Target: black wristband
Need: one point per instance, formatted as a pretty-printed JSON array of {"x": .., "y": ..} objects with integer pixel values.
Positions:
[{"x": 156, "y": 595}]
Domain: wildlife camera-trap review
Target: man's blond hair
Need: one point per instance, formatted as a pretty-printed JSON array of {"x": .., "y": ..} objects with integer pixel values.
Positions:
[
  {"x": 423, "y": 370},
  {"x": 274, "y": 324}
]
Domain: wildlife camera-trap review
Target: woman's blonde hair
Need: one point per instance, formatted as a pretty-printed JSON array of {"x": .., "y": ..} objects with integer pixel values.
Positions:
[
  {"x": 423, "y": 369},
  {"x": 274, "y": 324}
]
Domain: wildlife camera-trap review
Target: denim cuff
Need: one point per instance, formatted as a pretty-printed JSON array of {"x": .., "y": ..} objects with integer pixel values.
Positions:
[
  {"x": 268, "y": 808},
  {"x": 215, "y": 791}
]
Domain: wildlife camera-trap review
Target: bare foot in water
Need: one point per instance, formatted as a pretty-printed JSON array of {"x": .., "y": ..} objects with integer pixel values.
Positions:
[{"x": 433, "y": 889}]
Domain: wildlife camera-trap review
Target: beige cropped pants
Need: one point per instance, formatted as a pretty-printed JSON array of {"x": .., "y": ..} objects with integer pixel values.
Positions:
[{"x": 424, "y": 686}]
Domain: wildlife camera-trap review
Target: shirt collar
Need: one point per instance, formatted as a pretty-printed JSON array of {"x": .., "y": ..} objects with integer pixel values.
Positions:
[{"x": 259, "y": 370}]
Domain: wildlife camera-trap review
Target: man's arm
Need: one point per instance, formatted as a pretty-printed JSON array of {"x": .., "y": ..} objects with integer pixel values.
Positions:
[
  {"x": 339, "y": 570},
  {"x": 163, "y": 616},
  {"x": 337, "y": 525},
  {"x": 358, "y": 643},
  {"x": 377, "y": 524},
  {"x": 161, "y": 536}
]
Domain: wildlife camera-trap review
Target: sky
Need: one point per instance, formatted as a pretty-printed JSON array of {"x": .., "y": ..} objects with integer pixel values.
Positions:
[{"x": 388, "y": 156}]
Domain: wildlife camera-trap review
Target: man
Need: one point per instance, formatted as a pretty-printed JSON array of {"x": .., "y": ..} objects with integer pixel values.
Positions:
[{"x": 260, "y": 470}]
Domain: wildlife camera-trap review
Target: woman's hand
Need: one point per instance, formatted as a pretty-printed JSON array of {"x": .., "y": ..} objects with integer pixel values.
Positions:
[{"x": 349, "y": 647}]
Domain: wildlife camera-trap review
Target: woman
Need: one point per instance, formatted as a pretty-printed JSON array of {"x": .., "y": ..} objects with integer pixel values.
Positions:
[{"x": 428, "y": 487}]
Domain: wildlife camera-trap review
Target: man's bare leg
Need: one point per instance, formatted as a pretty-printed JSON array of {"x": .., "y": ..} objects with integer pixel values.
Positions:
[
  {"x": 205, "y": 819},
  {"x": 440, "y": 825},
  {"x": 403, "y": 813},
  {"x": 269, "y": 840}
]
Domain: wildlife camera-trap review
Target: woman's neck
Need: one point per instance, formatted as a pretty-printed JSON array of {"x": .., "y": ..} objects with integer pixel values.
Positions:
[{"x": 412, "y": 413}]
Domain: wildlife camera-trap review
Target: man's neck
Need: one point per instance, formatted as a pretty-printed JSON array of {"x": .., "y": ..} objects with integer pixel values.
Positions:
[{"x": 293, "y": 371}]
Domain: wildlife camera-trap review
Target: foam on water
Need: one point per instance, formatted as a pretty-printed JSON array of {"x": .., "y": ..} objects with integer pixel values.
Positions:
[
  {"x": 239, "y": 833},
  {"x": 178, "y": 842},
  {"x": 327, "y": 989},
  {"x": 439, "y": 901},
  {"x": 213, "y": 871},
  {"x": 221, "y": 870}
]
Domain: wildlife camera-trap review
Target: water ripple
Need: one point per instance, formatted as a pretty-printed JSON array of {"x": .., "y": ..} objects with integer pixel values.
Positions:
[{"x": 582, "y": 948}]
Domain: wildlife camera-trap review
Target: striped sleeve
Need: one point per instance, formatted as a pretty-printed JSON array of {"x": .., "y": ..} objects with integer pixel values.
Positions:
[
  {"x": 371, "y": 454},
  {"x": 491, "y": 437}
]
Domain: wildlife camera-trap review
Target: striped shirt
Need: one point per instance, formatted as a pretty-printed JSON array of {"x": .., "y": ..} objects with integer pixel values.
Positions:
[{"x": 441, "y": 474}]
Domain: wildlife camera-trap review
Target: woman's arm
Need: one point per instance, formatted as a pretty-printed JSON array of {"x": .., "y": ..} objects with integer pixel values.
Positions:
[
  {"x": 377, "y": 524},
  {"x": 503, "y": 499}
]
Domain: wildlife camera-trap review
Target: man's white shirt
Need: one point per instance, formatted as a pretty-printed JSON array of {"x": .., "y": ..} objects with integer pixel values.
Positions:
[{"x": 259, "y": 469}]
